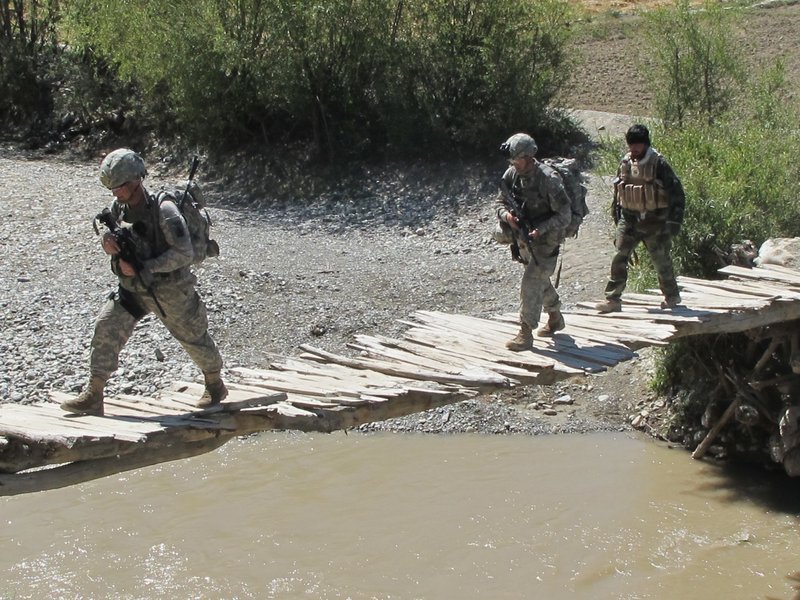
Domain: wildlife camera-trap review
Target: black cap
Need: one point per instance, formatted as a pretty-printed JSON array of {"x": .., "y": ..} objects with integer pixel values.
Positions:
[{"x": 637, "y": 134}]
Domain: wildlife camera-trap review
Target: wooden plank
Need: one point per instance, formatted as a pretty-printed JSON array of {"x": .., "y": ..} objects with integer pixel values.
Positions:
[
  {"x": 82, "y": 471},
  {"x": 91, "y": 425},
  {"x": 447, "y": 356},
  {"x": 289, "y": 410},
  {"x": 331, "y": 371},
  {"x": 52, "y": 430},
  {"x": 541, "y": 357},
  {"x": 440, "y": 340},
  {"x": 311, "y": 384},
  {"x": 725, "y": 288},
  {"x": 496, "y": 381},
  {"x": 788, "y": 276}
]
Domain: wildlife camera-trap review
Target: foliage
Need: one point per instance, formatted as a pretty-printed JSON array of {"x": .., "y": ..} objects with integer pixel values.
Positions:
[
  {"x": 28, "y": 48},
  {"x": 735, "y": 158},
  {"x": 732, "y": 142},
  {"x": 697, "y": 69},
  {"x": 340, "y": 77}
]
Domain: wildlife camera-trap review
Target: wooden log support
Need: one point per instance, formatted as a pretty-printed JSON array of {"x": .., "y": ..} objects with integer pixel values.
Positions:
[
  {"x": 703, "y": 447},
  {"x": 87, "y": 470}
]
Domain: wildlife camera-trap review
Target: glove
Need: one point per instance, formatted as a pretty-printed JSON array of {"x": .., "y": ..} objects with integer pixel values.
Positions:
[{"x": 672, "y": 228}]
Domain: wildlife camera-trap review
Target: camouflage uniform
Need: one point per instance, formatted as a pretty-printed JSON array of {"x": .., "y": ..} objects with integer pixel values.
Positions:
[
  {"x": 651, "y": 211},
  {"x": 165, "y": 249},
  {"x": 158, "y": 236},
  {"x": 547, "y": 208}
]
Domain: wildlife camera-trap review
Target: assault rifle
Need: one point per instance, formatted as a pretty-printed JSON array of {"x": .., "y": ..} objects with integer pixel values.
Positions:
[
  {"x": 127, "y": 249},
  {"x": 616, "y": 209},
  {"x": 524, "y": 231},
  {"x": 192, "y": 171}
]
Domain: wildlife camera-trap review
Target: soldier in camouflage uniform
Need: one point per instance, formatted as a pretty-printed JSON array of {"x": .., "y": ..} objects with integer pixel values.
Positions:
[
  {"x": 651, "y": 202},
  {"x": 546, "y": 210},
  {"x": 164, "y": 285}
]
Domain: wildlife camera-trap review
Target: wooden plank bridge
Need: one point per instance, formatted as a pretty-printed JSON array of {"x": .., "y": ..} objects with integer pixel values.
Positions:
[{"x": 441, "y": 359}]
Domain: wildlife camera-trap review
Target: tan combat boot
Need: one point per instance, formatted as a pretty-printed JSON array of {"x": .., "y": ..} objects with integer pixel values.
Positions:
[
  {"x": 555, "y": 322},
  {"x": 215, "y": 391},
  {"x": 522, "y": 341},
  {"x": 89, "y": 401},
  {"x": 608, "y": 306}
]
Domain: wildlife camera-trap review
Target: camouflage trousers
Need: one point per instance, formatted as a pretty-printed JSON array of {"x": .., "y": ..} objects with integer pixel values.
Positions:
[
  {"x": 186, "y": 319},
  {"x": 536, "y": 290},
  {"x": 630, "y": 232}
]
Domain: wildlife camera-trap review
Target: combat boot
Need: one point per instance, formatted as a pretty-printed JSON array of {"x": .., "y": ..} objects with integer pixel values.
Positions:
[
  {"x": 671, "y": 301},
  {"x": 89, "y": 401},
  {"x": 522, "y": 341},
  {"x": 215, "y": 391},
  {"x": 609, "y": 305},
  {"x": 555, "y": 322}
]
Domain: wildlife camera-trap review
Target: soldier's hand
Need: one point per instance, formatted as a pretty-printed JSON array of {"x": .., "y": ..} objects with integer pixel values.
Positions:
[
  {"x": 512, "y": 220},
  {"x": 126, "y": 268},
  {"x": 110, "y": 245},
  {"x": 535, "y": 234}
]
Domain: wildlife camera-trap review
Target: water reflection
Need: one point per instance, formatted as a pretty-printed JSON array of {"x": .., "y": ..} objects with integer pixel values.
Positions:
[{"x": 405, "y": 517}]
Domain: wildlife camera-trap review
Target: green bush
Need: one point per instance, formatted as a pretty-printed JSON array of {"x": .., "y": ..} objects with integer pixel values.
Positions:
[
  {"x": 336, "y": 78},
  {"x": 734, "y": 152},
  {"x": 696, "y": 66},
  {"x": 28, "y": 49},
  {"x": 732, "y": 142}
]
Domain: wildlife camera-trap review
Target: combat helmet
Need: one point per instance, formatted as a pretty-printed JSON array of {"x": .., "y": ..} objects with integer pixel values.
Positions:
[
  {"x": 519, "y": 145},
  {"x": 121, "y": 166}
]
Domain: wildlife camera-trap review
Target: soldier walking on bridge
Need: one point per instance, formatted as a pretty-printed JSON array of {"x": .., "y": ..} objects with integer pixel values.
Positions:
[
  {"x": 162, "y": 284},
  {"x": 533, "y": 212},
  {"x": 648, "y": 204}
]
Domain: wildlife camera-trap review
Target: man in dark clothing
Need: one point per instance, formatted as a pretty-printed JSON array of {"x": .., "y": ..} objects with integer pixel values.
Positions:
[{"x": 651, "y": 203}]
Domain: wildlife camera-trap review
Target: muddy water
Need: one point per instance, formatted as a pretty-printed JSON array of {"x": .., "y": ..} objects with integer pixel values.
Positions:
[{"x": 406, "y": 517}]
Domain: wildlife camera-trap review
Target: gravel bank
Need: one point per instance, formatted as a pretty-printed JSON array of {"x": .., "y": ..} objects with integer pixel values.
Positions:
[{"x": 353, "y": 260}]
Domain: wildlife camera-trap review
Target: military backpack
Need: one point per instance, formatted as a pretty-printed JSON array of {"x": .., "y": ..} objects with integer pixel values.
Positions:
[
  {"x": 191, "y": 204},
  {"x": 573, "y": 181}
]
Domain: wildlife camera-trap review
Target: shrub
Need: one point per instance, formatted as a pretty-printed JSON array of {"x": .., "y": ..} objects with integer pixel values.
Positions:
[
  {"x": 341, "y": 78},
  {"x": 28, "y": 49},
  {"x": 696, "y": 67}
]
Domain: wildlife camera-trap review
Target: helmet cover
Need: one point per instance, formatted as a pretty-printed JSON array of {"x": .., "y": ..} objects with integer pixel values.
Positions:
[
  {"x": 120, "y": 167},
  {"x": 519, "y": 145}
]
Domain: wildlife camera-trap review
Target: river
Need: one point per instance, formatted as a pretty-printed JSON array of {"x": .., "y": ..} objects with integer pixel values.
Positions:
[{"x": 402, "y": 517}]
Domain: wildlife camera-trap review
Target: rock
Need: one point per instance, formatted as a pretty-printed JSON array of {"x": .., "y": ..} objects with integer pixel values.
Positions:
[
  {"x": 791, "y": 463},
  {"x": 779, "y": 251}
]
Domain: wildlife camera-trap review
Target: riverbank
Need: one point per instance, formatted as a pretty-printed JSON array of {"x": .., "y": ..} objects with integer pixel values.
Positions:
[{"x": 317, "y": 271}]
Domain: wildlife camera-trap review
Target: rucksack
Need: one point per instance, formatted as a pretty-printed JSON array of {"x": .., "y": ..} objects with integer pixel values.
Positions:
[
  {"x": 192, "y": 205},
  {"x": 573, "y": 179}
]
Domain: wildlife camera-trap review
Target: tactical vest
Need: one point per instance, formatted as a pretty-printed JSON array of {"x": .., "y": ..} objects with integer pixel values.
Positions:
[
  {"x": 637, "y": 188},
  {"x": 530, "y": 191},
  {"x": 145, "y": 226}
]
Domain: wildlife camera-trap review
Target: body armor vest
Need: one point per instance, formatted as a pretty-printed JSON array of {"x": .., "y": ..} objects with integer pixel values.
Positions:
[
  {"x": 145, "y": 226},
  {"x": 637, "y": 188},
  {"x": 528, "y": 190}
]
